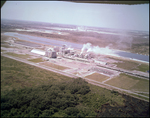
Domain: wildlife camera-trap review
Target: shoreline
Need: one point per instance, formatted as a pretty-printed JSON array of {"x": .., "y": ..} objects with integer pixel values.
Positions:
[
  {"x": 131, "y": 59},
  {"x": 115, "y": 55}
]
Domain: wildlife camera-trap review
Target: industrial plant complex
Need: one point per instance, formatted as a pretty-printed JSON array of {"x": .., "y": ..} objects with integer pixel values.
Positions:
[{"x": 97, "y": 65}]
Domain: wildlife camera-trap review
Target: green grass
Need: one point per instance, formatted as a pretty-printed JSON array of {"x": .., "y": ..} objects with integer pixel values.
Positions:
[
  {"x": 132, "y": 65},
  {"x": 142, "y": 85},
  {"x": 24, "y": 77},
  {"x": 97, "y": 77},
  {"x": 3, "y": 50},
  {"x": 18, "y": 75},
  {"x": 37, "y": 60},
  {"x": 114, "y": 97},
  {"x": 128, "y": 65},
  {"x": 6, "y": 46},
  {"x": 143, "y": 67},
  {"x": 18, "y": 55},
  {"x": 130, "y": 83},
  {"x": 144, "y": 94},
  {"x": 143, "y": 98},
  {"x": 54, "y": 66}
]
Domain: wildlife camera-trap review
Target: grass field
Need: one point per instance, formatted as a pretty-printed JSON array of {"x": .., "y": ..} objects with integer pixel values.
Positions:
[
  {"x": 141, "y": 85},
  {"x": 130, "y": 83},
  {"x": 54, "y": 66},
  {"x": 128, "y": 65},
  {"x": 143, "y": 67},
  {"x": 3, "y": 50},
  {"x": 147, "y": 99},
  {"x": 37, "y": 60},
  {"x": 132, "y": 65},
  {"x": 18, "y": 55},
  {"x": 18, "y": 75},
  {"x": 6, "y": 46},
  {"x": 98, "y": 77}
]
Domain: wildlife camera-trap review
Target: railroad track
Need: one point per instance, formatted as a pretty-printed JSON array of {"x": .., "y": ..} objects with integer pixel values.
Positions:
[
  {"x": 116, "y": 69},
  {"x": 127, "y": 72}
]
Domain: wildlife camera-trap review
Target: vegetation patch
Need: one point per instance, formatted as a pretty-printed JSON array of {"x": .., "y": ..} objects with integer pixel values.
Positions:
[
  {"x": 128, "y": 65},
  {"x": 129, "y": 82},
  {"x": 54, "y": 65},
  {"x": 18, "y": 55},
  {"x": 142, "y": 85},
  {"x": 132, "y": 65},
  {"x": 6, "y": 45},
  {"x": 15, "y": 74},
  {"x": 47, "y": 94},
  {"x": 4, "y": 38},
  {"x": 143, "y": 67},
  {"x": 98, "y": 77},
  {"x": 3, "y": 50},
  {"x": 37, "y": 60}
]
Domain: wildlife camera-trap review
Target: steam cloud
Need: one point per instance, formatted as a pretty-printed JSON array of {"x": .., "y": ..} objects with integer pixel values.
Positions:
[{"x": 96, "y": 49}]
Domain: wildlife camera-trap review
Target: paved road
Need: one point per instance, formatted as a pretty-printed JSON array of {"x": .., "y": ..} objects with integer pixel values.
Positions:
[{"x": 71, "y": 75}]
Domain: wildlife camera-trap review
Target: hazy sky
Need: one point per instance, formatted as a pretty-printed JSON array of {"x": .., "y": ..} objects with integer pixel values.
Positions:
[{"x": 133, "y": 17}]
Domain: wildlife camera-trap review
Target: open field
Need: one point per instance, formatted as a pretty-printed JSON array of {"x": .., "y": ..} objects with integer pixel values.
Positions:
[
  {"x": 130, "y": 83},
  {"x": 143, "y": 67},
  {"x": 18, "y": 75},
  {"x": 98, "y": 77},
  {"x": 6, "y": 45},
  {"x": 131, "y": 65},
  {"x": 3, "y": 50},
  {"x": 128, "y": 65},
  {"x": 54, "y": 66},
  {"x": 36, "y": 60},
  {"x": 33, "y": 84},
  {"x": 24, "y": 56},
  {"x": 4, "y": 38}
]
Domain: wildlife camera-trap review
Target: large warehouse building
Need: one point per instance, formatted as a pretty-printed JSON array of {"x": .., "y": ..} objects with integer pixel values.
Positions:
[{"x": 37, "y": 51}]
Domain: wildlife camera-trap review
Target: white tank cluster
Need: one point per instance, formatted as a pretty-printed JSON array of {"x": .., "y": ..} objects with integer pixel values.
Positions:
[
  {"x": 50, "y": 52},
  {"x": 56, "y": 49}
]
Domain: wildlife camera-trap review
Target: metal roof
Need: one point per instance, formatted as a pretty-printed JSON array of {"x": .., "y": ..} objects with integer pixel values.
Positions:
[{"x": 37, "y": 51}]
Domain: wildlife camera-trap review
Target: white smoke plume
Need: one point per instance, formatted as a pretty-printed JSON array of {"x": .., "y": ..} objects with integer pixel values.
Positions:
[
  {"x": 96, "y": 49},
  {"x": 86, "y": 47},
  {"x": 69, "y": 48}
]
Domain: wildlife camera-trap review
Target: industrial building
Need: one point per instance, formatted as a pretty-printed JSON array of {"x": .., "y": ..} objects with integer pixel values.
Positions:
[
  {"x": 51, "y": 54},
  {"x": 100, "y": 62},
  {"x": 56, "y": 49},
  {"x": 68, "y": 53},
  {"x": 37, "y": 51}
]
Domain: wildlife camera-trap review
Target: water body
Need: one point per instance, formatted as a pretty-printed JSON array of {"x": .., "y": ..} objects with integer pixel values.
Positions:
[
  {"x": 73, "y": 45},
  {"x": 133, "y": 56},
  {"x": 43, "y": 40}
]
